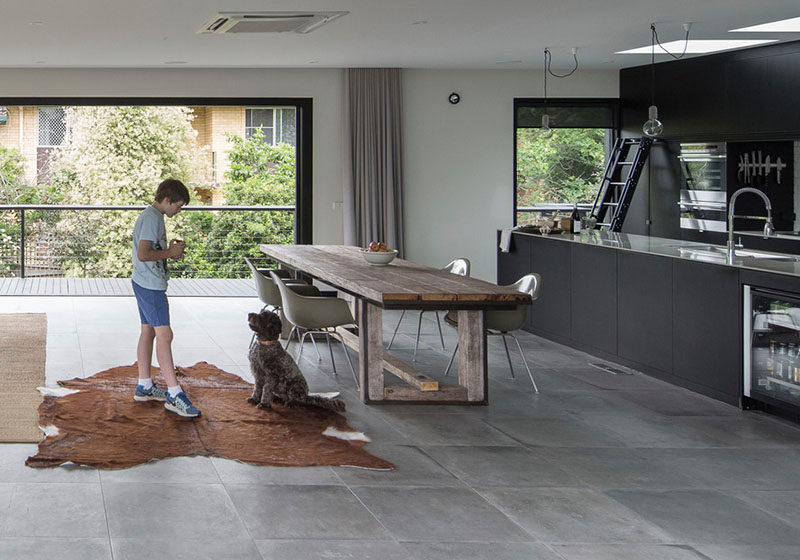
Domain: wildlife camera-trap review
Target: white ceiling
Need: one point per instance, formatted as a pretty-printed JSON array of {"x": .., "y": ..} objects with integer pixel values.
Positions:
[{"x": 376, "y": 33}]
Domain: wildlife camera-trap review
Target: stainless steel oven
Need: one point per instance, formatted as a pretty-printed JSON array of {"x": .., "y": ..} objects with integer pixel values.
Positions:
[{"x": 703, "y": 200}]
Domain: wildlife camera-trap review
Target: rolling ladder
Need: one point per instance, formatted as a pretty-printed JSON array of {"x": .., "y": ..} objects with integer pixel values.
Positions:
[{"x": 619, "y": 182}]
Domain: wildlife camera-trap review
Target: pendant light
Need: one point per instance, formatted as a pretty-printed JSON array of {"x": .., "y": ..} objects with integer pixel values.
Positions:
[
  {"x": 545, "y": 131},
  {"x": 652, "y": 127}
]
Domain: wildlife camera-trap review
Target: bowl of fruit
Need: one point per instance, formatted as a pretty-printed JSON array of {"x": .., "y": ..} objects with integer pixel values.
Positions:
[{"x": 378, "y": 254}]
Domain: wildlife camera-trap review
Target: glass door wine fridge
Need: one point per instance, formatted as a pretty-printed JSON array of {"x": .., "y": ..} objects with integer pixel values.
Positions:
[{"x": 772, "y": 348}]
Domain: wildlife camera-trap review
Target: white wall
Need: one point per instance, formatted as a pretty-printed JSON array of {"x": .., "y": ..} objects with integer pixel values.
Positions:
[
  {"x": 458, "y": 159},
  {"x": 324, "y": 85}
]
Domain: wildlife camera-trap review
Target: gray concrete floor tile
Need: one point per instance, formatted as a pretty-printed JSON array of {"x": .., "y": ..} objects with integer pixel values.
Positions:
[
  {"x": 548, "y": 462},
  {"x": 175, "y": 470},
  {"x": 13, "y": 469},
  {"x": 438, "y": 514},
  {"x": 707, "y": 516},
  {"x": 56, "y": 510},
  {"x": 451, "y": 429},
  {"x": 414, "y": 468},
  {"x": 627, "y": 552},
  {"x": 573, "y": 515},
  {"x": 783, "y": 504},
  {"x": 481, "y": 551},
  {"x": 743, "y": 552},
  {"x": 500, "y": 466},
  {"x": 27, "y": 548},
  {"x": 303, "y": 512},
  {"x": 136, "y": 510},
  {"x": 735, "y": 469},
  {"x": 604, "y": 468},
  {"x": 235, "y": 472},
  {"x": 543, "y": 432},
  {"x": 309, "y": 549},
  {"x": 159, "y": 545}
]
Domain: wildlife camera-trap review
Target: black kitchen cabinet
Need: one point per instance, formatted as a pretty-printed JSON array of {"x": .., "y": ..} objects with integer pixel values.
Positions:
[
  {"x": 594, "y": 297},
  {"x": 516, "y": 263},
  {"x": 707, "y": 325},
  {"x": 644, "y": 309},
  {"x": 552, "y": 311}
]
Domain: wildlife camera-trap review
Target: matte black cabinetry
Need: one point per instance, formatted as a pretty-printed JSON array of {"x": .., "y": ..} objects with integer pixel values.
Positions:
[
  {"x": 678, "y": 320},
  {"x": 707, "y": 326},
  {"x": 552, "y": 311},
  {"x": 594, "y": 297},
  {"x": 645, "y": 309}
]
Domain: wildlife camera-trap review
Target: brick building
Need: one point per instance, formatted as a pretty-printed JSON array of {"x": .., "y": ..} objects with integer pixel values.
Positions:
[{"x": 37, "y": 131}]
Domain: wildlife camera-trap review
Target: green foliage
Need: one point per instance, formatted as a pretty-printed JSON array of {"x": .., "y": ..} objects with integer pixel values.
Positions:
[
  {"x": 116, "y": 156},
  {"x": 260, "y": 175},
  {"x": 565, "y": 168},
  {"x": 14, "y": 190}
]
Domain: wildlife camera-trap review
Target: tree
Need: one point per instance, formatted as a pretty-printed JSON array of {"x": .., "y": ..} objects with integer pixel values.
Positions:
[
  {"x": 117, "y": 156},
  {"x": 565, "y": 168},
  {"x": 260, "y": 175}
]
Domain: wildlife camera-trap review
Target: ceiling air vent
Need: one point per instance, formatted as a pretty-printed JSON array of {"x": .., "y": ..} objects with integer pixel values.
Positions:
[{"x": 268, "y": 22}]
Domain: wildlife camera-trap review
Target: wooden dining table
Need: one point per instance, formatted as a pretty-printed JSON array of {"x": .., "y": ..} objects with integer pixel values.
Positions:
[{"x": 404, "y": 284}]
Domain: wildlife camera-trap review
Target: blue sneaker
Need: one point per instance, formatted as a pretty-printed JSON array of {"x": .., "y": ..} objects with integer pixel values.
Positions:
[
  {"x": 154, "y": 393},
  {"x": 180, "y": 404}
]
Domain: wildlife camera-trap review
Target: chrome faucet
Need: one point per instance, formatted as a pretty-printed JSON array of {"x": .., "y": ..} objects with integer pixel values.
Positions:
[{"x": 768, "y": 227}]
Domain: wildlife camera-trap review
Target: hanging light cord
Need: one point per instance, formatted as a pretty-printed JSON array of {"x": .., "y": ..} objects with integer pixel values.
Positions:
[
  {"x": 686, "y": 26},
  {"x": 548, "y": 58}
]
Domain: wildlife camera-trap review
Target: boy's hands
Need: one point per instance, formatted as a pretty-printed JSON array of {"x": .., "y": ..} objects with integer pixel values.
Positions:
[{"x": 177, "y": 249}]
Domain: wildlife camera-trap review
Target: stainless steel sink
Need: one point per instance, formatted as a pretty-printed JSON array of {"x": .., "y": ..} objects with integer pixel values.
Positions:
[{"x": 717, "y": 253}]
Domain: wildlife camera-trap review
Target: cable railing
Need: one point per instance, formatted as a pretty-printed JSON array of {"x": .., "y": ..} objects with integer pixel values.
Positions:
[{"x": 95, "y": 241}]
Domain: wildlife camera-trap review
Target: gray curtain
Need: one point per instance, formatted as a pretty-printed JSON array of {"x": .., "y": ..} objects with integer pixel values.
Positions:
[{"x": 373, "y": 198}]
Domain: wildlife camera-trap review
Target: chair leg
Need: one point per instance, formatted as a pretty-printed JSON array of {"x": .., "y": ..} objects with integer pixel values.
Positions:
[
  {"x": 395, "y": 329},
  {"x": 439, "y": 324},
  {"x": 508, "y": 356},
  {"x": 524, "y": 361},
  {"x": 289, "y": 338},
  {"x": 453, "y": 357},
  {"x": 300, "y": 350},
  {"x": 314, "y": 342},
  {"x": 416, "y": 343},
  {"x": 330, "y": 350},
  {"x": 344, "y": 347}
]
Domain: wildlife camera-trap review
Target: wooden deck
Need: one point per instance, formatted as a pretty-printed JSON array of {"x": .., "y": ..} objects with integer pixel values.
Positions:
[{"x": 202, "y": 287}]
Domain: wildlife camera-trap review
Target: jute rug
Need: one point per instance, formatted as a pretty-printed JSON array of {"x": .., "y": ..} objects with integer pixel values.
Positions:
[
  {"x": 22, "y": 361},
  {"x": 102, "y": 426}
]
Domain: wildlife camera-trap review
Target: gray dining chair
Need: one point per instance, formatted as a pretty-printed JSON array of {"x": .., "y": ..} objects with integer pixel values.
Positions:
[
  {"x": 315, "y": 314},
  {"x": 503, "y": 323},
  {"x": 460, "y": 267},
  {"x": 268, "y": 292}
]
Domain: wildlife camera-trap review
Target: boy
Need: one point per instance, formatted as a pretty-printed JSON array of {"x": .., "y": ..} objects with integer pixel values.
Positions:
[{"x": 150, "y": 275}]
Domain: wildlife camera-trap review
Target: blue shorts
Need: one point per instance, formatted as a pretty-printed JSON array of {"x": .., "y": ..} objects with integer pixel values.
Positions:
[{"x": 153, "y": 306}]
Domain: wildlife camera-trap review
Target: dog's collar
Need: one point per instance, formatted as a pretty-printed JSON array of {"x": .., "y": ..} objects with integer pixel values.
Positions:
[{"x": 266, "y": 342}]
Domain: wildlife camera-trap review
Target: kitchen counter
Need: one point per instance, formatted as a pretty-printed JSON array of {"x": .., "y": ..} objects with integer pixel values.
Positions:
[{"x": 747, "y": 259}]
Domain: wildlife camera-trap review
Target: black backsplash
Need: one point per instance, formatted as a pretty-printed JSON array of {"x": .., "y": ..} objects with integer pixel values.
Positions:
[{"x": 768, "y": 167}]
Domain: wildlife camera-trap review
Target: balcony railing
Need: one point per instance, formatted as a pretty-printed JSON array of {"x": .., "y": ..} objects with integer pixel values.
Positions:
[{"x": 48, "y": 240}]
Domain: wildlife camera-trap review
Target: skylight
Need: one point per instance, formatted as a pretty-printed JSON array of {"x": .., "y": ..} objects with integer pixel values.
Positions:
[
  {"x": 791, "y": 25},
  {"x": 700, "y": 46}
]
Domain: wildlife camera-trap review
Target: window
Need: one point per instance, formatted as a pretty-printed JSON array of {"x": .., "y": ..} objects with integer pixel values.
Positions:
[
  {"x": 277, "y": 124},
  {"x": 52, "y": 127},
  {"x": 555, "y": 173}
]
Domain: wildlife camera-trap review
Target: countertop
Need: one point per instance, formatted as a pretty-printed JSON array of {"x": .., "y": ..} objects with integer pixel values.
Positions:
[{"x": 782, "y": 263}]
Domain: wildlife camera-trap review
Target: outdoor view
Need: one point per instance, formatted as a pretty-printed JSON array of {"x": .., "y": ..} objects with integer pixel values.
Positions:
[
  {"x": 567, "y": 168},
  {"x": 116, "y": 156}
]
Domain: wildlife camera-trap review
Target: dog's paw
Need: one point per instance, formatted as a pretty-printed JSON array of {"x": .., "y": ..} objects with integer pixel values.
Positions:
[
  {"x": 251, "y": 400},
  {"x": 264, "y": 406}
]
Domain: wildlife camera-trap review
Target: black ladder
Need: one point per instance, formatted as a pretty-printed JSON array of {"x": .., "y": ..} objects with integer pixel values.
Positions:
[{"x": 619, "y": 182}]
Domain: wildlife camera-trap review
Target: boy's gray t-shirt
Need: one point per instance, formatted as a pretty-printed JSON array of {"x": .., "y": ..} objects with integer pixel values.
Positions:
[{"x": 152, "y": 275}]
